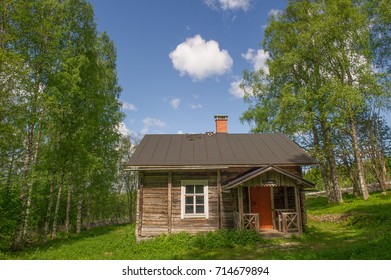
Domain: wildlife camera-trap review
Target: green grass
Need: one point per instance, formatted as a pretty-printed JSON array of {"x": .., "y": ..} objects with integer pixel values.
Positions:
[{"x": 355, "y": 229}]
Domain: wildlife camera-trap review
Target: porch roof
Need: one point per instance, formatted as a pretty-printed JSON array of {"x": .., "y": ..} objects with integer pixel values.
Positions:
[{"x": 267, "y": 176}]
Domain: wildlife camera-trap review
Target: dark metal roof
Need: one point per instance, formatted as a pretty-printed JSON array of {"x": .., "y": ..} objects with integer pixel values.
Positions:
[{"x": 178, "y": 150}]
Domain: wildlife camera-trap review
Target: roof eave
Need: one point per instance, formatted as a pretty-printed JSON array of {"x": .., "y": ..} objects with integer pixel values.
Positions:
[
  {"x": 206, "y": 166},
  {"x": 174, "y": 167}
]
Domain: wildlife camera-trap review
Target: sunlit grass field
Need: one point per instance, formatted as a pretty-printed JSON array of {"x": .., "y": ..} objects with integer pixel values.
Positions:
[{"x": 355, "y": 229}]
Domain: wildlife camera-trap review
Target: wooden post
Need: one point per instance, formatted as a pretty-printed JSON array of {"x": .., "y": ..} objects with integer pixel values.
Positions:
[
  {"x": 303, "y": 208},
  {"x": 249, "y": 198},
  {"x": 272, "y": 204},
  {"x": 298, "y": 208},
  {"x": 169, "y": 202},
  {"x": 240, "y": 204},
  {"x": 140, "y": 210},
  {"x": 140, "y": 203},
  {"x": 219, "y": 198}
]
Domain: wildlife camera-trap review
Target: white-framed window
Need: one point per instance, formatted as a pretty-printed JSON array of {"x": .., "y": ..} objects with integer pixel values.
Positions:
[{"x": 194, "y": 199}]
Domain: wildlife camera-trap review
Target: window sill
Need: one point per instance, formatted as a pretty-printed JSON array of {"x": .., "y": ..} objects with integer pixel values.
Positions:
[{"x": 195, "y": 217}]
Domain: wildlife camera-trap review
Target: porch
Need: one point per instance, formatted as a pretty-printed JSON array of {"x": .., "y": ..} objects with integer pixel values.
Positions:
[{"x": 269, "y": 201}]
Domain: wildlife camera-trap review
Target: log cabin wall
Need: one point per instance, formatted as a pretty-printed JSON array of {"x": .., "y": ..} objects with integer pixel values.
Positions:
[
  {"x": 159, "y": 202},
  {"x": 193, "y": 225},
  {"x": 227, "y": 206},
  {"x": 152, "y": 204}
]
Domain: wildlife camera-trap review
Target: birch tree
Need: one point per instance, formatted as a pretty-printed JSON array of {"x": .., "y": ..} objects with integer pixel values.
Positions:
[
  {"x": 59, "y": 115},
  {"x": 320, "y": 77}
]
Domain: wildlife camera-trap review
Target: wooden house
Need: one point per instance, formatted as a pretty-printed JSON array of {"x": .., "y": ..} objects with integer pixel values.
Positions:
[{"x": 206, "y": 182}]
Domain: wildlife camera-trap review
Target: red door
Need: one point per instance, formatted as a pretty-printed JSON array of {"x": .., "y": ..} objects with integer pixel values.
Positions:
[{"x": 261, "y": 204}]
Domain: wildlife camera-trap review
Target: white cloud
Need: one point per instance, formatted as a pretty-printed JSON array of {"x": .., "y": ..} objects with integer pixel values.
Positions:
[
  {"x": 128, "y": 106},
  {"x": 235, "y": 4},
  {"x": 235, "y": 89},
  {"x": 195, "y": 106},
  {"x": 229, "y": 4},
  {"x": 123, "y": 129},
  {"x": 180, "y": 132},
  {"x": 210, "y": 3},
  {"x": 257, "y": 59},
  {"x": 200, "y": 59},
  {"x": 152, "y": 123},
  {"x": 175, "y": 103},
  {"x": 274, "y": 13}
]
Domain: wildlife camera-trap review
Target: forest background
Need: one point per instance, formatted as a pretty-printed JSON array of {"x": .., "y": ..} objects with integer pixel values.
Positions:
[{"x": 63, "y": 159}]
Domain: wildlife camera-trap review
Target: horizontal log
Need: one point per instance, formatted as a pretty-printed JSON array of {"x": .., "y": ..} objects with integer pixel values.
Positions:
[{"x": 154, "y": 211}]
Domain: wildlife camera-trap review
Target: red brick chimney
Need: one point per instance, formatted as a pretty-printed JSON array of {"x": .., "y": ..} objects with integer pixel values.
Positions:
[{"x": 221, "y": 123}]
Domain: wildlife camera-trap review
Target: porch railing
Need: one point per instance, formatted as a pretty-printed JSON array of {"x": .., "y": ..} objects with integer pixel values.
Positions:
[
  {"x": 249, "y": 221},
  {"x": 287, "y": 220}
]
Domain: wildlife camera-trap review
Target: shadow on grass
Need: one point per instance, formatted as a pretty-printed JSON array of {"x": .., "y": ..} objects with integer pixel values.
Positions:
[
  {"x": 61, "y": 240},
  {"x": 365, "y": 233},
  {"x": 319, "y": 204}
]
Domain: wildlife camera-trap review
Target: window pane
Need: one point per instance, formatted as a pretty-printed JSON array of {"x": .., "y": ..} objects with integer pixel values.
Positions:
[
  {"x": 200, "y": 209},
  {"x": 189, "y": 209},
  {"x": 199, "y": 189},
  {"x": 189, "y": 189},
  {"x": 199, "y": 200},
  {"x": 189, "y": 200}
]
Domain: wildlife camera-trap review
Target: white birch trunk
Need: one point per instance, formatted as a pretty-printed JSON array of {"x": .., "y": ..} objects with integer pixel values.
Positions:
[
  {"x": 357, "y": 156},
  {"x": 69, "y": 198},
  {"x": 59, "y": 193},
  {"x": 79, "y": 213}
]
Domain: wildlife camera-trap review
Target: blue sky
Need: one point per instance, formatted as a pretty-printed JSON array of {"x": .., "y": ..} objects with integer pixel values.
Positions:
[
  {"x": 179, "y": 61},
  {"x": 209, "y": 43}
]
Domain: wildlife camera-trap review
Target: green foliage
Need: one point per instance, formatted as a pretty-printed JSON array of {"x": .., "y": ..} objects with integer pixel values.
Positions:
[
  {"x": 313, "y": 175},
  {"x": 59, "y": 118},
  {"x": 321, "y": 80},
  {"x": 9, "y": 212}
]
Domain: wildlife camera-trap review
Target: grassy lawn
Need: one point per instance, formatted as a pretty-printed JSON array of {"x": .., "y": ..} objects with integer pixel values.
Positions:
[{"x": 356, "y": 229}]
